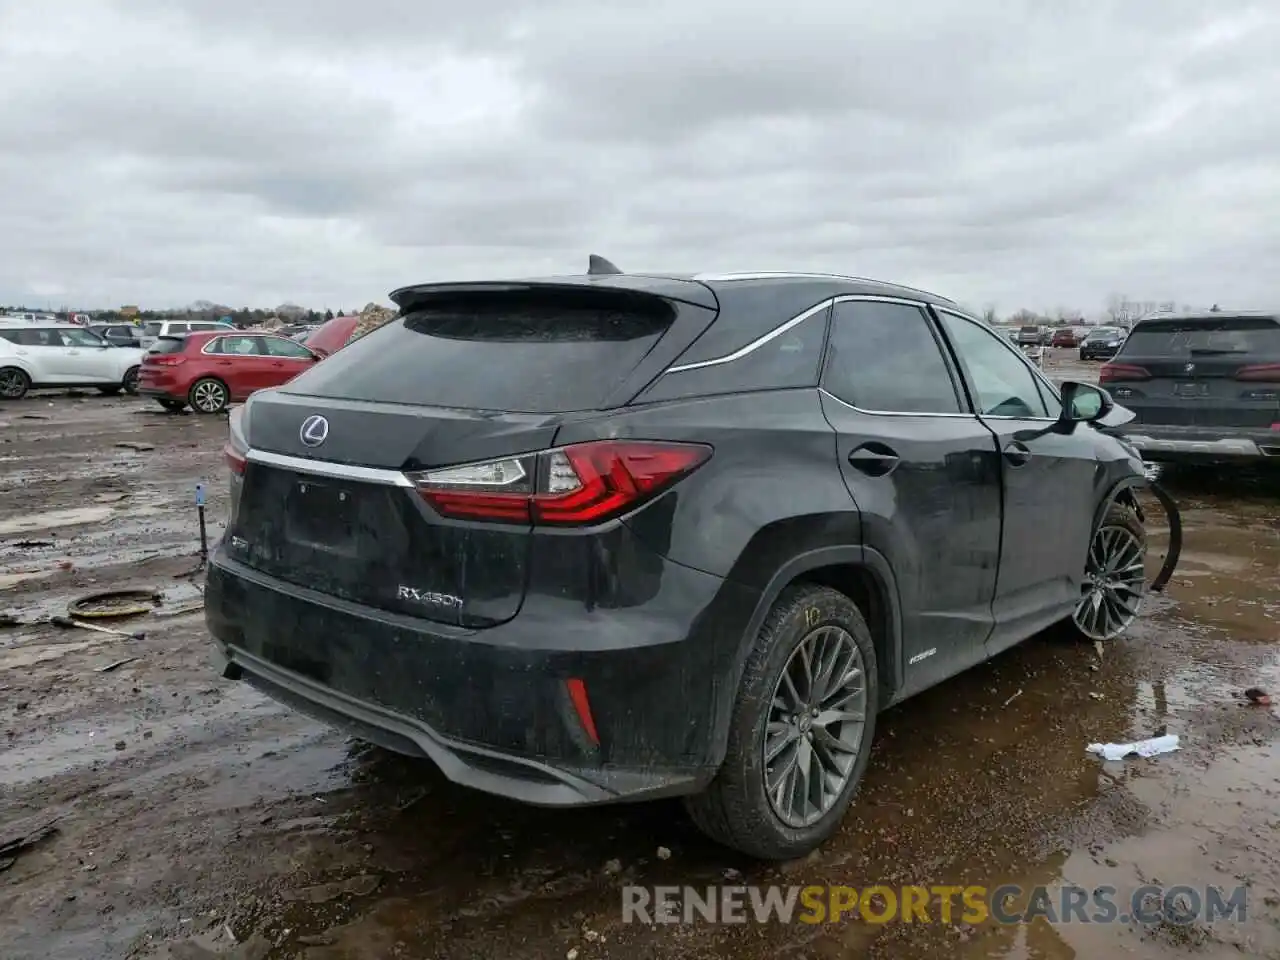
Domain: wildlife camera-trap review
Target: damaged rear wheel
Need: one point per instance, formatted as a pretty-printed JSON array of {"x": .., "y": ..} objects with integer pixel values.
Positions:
[{"x": 1115, "y": 576}]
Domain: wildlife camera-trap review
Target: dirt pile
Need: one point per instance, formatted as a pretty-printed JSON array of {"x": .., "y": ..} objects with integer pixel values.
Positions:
[{"x": 371, "y": 317}]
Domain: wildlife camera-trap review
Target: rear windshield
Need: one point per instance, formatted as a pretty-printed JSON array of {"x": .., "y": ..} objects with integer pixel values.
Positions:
[
  {"x": 523, "y": 352},
  {"x": 1227, "y": 335},
  {"x": 152, "y": 328},
  {"x": 168, "y": 345}
]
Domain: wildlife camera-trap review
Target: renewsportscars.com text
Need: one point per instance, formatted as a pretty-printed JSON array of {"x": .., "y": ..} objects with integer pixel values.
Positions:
[{"x": 1008, "y": 904}]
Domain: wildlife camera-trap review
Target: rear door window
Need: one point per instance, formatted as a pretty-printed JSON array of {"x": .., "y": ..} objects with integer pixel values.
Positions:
[
  {"x": 884, "y": 358},
  {"x": 241, "y": 346},
  {"x": 523, "y": 351}
]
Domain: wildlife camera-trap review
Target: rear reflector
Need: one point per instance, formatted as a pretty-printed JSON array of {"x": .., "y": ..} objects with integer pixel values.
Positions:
[
  {"x": 582, "y": 707},
  {"x": 1122, "y": 371},
  {"x": 577, "y": 485},
  {"x": 1260, "y": 373},
  {"x": 164, "y": 359}
]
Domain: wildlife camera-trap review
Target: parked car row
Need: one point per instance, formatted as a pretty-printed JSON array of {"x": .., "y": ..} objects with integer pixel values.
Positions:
[
  {"x": 202, "y": 364},
  {"x": 35, "y": 354},
  {"x": 207, "y": 370}
]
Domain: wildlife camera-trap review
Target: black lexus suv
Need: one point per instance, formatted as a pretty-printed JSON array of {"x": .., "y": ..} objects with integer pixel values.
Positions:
[
  {"x": 1203, "y": 387},
  {"x": 612, "y": 537}
]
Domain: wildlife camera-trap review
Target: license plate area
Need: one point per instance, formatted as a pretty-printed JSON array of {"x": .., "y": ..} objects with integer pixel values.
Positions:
[
  {"x": 1190, "y": 389},
  {"x": 321, "y": 516}
]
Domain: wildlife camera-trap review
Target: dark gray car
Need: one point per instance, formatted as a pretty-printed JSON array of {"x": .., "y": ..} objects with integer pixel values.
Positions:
[
  {"x": 1201, "y": 386},
  {"x": 611, "y": 537}
]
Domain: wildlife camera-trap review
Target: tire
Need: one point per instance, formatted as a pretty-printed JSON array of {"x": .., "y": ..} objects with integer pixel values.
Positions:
[
  {"x": 1119, "y": 535},
  {"x": 14, "y": 383},
  {"x": 736, "y": 809},
  {"x": 208, "y": 395},
  {"x": 130, "y": 382},
  {"x": 173, "y": 406}
]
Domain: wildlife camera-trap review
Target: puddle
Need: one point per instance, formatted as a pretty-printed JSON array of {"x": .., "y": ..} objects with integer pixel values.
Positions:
[{"x": 54, "y": 519}]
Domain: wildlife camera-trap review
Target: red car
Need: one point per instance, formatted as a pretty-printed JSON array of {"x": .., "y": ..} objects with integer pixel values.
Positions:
[
  {"x": 1065, "y": 337},
  {"x": 210, "y": 370},
  {"x": 332, "y": 335}
]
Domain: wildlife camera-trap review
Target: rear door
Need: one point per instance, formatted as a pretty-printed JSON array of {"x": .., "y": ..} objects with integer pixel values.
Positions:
[
  {"x": 475, "y": 375},
  {"x": 1049, "y": 481},
  {"x": 925, "y": 475},
  {"x": 1213, "y": 371}
]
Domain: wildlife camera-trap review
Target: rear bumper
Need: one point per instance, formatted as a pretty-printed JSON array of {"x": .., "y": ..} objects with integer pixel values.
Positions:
[
  {"x": 1175, "y": 443},
  {"x": 492, "y": 708}
]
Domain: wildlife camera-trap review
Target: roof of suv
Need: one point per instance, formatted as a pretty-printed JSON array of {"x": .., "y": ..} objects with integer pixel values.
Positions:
[
  {"x": 1210, "y": 315},
  {"x": 698, "y": 288}
]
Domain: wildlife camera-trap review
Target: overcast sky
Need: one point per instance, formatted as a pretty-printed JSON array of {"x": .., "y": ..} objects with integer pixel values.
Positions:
[{"x": 1018, "y": 152}]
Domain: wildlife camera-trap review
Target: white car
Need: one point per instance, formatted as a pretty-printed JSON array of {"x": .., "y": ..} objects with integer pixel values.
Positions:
[
  {"x": 35, "y": 355},
  {"x": 153, "y": 330}
]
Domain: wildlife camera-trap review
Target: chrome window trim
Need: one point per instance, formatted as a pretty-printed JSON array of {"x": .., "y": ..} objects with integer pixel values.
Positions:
[
  {"x": 222, "y": 336},
  {"x": 782, "y": 328},
  {"x": 894, "y": 413},
  {"x": 328, "y": 468},
  {"x": 755, "y": 344}
]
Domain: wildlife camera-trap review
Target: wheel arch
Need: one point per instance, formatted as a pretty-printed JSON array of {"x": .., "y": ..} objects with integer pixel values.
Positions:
[{"x": 860, "y": 573}]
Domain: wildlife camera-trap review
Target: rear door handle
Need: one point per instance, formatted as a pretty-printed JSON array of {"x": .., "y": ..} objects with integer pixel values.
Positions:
[
  {"x": 224, "y": 363},
  {"x": 874, "y": 459},
  {"x": 1017, "y": 454}
]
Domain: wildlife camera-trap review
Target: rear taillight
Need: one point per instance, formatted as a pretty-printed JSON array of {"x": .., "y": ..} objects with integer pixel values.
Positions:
[
  {"x": 1260, "y": 373},
  {"x": 235, "y": 458},
  {"x": 1122, "y": 371},
  {"x": 164, "y": 359},
  {"x": 574, "y": 486}
]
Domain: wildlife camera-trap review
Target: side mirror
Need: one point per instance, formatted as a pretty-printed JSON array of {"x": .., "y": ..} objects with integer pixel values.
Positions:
[{"x": 1084, "y": 403}]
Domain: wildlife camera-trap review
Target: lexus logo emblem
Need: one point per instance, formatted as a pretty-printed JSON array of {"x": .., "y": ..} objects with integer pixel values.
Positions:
[
  {"x": 1189, "y": 368},
  {"x": 315, "y": 430}
]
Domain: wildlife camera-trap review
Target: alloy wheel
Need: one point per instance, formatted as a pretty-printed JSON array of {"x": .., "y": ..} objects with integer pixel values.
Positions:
[
  {"x": 130, "y": 383},
  {"x": 1114, "y": 583},
  {"x": 815, "y": 726},
  {"x": 209, "y": 396},
  {"x": 13, "y": 383}
]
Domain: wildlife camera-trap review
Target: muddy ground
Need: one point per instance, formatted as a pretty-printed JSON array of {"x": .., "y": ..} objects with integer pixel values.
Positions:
[{"x": 201, "y": 819}]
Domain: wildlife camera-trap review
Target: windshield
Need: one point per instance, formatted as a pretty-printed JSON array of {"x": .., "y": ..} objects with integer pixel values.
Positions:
[{"x": 1182, "y": 338}]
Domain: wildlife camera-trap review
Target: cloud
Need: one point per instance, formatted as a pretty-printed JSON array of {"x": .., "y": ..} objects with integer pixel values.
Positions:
[{"x": 1007, "y": 151}]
